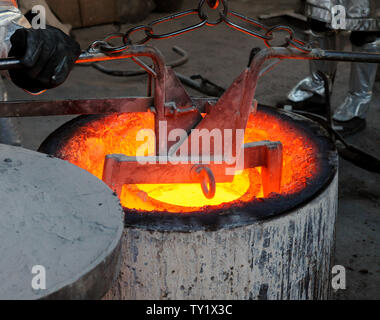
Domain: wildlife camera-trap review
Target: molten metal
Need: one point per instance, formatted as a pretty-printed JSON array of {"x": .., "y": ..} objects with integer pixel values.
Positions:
[{"x": 116, "y": 134}]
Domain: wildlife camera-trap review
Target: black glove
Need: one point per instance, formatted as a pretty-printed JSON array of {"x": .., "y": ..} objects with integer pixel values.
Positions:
[{"x": 47, "y": 55}]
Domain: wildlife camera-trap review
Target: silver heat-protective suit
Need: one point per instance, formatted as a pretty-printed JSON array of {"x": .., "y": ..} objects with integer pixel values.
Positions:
[
  {"x": 361, "y": 16},
  {"x": 313, "y": 84},
  {"x": 362, "y": 79},
  {"x": 11, "y": 19}
]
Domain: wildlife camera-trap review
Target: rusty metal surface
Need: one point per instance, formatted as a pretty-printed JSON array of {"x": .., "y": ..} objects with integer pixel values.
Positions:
[
  {"x": 120, "y": 169},
  {"x": 229, "y": 113},
  {"x": 179, "y": 113},
  {"x": 268, "y": 155},
  {"x": 228, "y": 116}
]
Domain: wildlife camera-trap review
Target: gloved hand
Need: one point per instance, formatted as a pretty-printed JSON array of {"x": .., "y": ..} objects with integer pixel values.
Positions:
[{"x": 47, "y": 55}]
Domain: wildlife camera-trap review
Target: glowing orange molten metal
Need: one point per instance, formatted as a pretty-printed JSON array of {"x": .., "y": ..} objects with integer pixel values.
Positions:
[{"x": 117, "y": 134}]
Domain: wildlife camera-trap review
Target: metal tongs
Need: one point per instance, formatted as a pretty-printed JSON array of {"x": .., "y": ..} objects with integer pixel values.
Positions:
[{"x": 172, "y": 106}]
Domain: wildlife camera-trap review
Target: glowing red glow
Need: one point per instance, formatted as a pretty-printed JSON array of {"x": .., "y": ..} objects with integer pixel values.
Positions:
[{"x": 117, "y": 134}]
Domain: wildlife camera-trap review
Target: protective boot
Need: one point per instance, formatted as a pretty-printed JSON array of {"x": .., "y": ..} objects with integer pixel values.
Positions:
[
  {"x": 8, "y": 131},
  {"x": 313, "y": 85},
  {"x": 362, "y": 79}
]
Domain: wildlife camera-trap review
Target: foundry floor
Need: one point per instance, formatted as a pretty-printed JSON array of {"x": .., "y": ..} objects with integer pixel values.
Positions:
[{"x": 220, "y": 54}]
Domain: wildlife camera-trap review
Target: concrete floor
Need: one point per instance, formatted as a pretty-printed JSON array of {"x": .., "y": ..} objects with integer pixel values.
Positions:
[{"x": 220, "y": 54}]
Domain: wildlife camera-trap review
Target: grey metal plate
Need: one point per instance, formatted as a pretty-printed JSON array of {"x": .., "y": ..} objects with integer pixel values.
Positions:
[{"x": 59, "y": 216}]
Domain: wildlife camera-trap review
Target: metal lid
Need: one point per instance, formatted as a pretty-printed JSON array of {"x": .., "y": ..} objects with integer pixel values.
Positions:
[{"x": 59, "y": 217}]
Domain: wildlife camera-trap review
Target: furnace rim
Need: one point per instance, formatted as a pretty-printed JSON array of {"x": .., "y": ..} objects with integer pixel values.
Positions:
[{"x": 237, "y": 214}]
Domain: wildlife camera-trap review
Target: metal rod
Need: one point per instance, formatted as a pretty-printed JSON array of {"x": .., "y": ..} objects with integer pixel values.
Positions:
[
  {"x": 184, "y": 57},
  {"x": 346, "y": 56},
  {"x": 88, "y": 56},
  {"x": 315, "y": 54},
  {"x": 287, "y": 53},
  {"x": 320, "y": 54},
  {"x": 144, "y": 66},
  {"x": 40, "y": 108},
  {"x": 201, "y": 86},
  {"x": 133, "y": 51},
  {"x": 74, "y": 107}
]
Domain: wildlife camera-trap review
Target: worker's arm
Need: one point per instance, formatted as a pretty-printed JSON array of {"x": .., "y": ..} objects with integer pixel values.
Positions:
[
  {"x": 47, "y": 55},
  {"x": 11, "y": 19}
]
